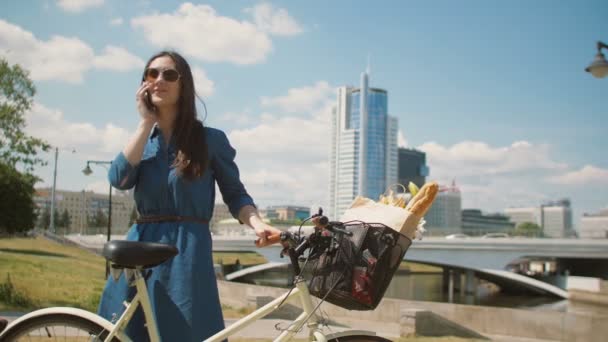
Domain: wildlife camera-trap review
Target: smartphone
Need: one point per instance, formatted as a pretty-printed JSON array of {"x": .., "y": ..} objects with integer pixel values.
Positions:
[{"x": 148, "y": 101}]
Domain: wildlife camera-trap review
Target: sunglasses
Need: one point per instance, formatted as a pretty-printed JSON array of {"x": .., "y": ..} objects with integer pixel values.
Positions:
[{"x": 169, "y": 75}]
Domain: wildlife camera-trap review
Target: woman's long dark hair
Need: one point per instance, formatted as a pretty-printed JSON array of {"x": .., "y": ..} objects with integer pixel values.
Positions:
[{"x": 192, "y": 158}]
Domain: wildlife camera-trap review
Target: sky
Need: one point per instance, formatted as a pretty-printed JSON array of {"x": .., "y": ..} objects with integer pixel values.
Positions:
[{"x": 495, "y": 93}]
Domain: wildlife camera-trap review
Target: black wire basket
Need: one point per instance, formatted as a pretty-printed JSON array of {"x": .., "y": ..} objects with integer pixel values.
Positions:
[{"x": 354, "y": 271}]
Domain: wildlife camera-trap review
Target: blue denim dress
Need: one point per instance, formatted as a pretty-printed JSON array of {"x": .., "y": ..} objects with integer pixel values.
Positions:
[{"x": 183, "y": 290}]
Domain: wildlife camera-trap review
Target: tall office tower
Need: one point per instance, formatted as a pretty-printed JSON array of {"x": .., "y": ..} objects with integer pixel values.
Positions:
[
  {"x": 363, "y": 156},
  {"x": 412, "y": 167}
]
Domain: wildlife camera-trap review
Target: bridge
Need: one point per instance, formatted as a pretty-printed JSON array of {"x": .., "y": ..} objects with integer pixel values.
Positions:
[
  {"x": 473, "y": 258},
  {"x": 584, "y": 255},
  {"x": 504, "y": 279}
]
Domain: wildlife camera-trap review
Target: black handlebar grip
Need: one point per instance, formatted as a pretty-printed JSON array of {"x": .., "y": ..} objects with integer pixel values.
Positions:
[{"x": 323, "y": 220}]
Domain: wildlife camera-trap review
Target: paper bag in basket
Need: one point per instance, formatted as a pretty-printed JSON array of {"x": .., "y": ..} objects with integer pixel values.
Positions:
[{"x": 404, "y": 220}]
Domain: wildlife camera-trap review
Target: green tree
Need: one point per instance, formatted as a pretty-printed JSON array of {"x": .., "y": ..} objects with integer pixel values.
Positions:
[
  {"x": 65, "y": 220},
  {"x": 57, "y": 218},
  {"x": 17, "y": 149},
  {"x": 16, "y": 98},
  {"x": 528, "y": 229},
  {"x": 16, "y": 204},
  {"x": 44, "y": 220},
  {"x": 100, "y": 219}
]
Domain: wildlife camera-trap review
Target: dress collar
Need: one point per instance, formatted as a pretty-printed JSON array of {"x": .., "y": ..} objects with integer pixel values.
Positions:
[{"x": 155, "y": 131}]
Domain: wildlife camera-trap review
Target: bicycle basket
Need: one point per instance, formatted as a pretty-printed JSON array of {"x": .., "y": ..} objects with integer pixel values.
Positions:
[{"x": 356, "y": 273}]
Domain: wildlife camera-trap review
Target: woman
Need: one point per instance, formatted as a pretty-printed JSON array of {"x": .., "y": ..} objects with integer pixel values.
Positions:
[{"x": 174, "y": 162}]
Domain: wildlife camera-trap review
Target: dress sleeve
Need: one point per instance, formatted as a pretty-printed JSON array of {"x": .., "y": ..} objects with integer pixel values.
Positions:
[
  {"x": 227, "y": 175},
  {"x": 122, "y": 175}
]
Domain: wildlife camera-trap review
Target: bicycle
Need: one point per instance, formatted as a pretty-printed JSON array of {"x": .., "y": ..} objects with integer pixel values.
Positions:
[{"x": 134, "y": 260}]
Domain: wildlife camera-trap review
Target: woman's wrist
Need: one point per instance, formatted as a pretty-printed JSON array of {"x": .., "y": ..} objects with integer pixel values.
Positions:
[
  {"x": 146, "y": 124},
  {"x": 255, "y": 222}
]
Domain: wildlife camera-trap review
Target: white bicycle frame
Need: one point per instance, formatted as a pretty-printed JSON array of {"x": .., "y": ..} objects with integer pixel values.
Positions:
[{"x": 300, "y": 291}]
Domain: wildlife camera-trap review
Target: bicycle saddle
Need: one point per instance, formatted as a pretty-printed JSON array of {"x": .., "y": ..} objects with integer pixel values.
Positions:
[{"x": 132, "y": 254}]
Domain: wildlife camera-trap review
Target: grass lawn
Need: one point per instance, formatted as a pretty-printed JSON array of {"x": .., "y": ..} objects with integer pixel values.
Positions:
[
  {"x": 245, "y": 258},
  {"x": 419, "y": 268},
  {"x": 44, "y": 273}
]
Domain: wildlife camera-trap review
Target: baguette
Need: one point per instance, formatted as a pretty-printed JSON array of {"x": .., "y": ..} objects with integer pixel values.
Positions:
[{"x": 423, "y": 200}]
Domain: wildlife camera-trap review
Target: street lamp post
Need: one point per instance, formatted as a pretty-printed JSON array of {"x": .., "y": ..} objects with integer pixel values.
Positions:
[
  {"x": 52, "y": 220},
  {"x": 87, "y": 171},
  {"x": 599, "y": 67}
]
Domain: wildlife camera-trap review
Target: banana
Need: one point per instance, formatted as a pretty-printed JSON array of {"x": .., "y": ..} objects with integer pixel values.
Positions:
[{"x": 413, "y": 188}]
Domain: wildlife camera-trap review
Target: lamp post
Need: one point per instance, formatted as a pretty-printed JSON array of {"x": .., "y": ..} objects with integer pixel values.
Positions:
[
  {"x": 87, "y": 171},
  {"x": 52, "y": 220},
  {"x": 599, "y": 67}
]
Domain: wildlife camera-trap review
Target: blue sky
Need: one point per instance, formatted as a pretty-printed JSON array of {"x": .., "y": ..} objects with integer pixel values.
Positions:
[{"x": 494, "y": 92}]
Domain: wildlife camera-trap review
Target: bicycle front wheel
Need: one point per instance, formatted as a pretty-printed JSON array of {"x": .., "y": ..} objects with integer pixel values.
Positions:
[
  {"x": 359, "y": 338},
  {"x": 57, "y": 327}
]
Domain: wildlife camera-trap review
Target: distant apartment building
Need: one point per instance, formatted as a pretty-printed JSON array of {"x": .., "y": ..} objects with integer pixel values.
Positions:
[
  {"x": 363, "y": 155},
  {"x": 84, "y": 205},
  {"x": 474, "y": 223},
  {"x": 220, "y": 213},
  {"x": 523, "y": 214},
  {"x": 412, "y": 167},
  {"x": 445, "y": 215},
  {"x": 594, "y": 226},
  {"x": 287, "y": 213},
  {"x": 555, "y": 218}
]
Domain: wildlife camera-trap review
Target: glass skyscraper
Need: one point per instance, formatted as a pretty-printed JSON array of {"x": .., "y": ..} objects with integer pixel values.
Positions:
[{"x": 363, "y": 158}]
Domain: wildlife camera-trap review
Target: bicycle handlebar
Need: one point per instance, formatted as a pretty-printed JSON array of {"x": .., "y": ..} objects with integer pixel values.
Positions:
[{"x": 270, "y": 240}]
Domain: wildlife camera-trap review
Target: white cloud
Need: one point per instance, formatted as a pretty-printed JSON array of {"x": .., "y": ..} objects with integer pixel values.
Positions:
[
  {"x": 401, "y": 142},
  {"x": 50, "y": 125},
  {"x": 301, "y": 99},
  {"x": 494, "y": 178},
  {"x": 284, "y": 157},
  {"x": 203, "y": 85},
  {"x": 116, "y": 21},
  {"x": 588, "y": 175},
  {"x": 470, "y": 158},
  {"x": 59, "y": 58},
  {"x": 242, "y": 119},
  {"x": 99, "y": 187},
  {"x": 118, "y": 59},
  {"x": 76, "y": 6},
  {"x": 301, "y": 139},
  {"x": 198, "y": 31},
  {"x": 274, "y": 21}
]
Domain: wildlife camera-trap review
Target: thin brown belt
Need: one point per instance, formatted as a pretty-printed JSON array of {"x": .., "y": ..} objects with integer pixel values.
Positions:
[{"x": 169, "y": 218}]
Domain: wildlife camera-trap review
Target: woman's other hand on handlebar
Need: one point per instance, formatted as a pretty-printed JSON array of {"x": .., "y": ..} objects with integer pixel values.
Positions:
[
  {"x": 266, "y": 234},
  {"x": 318, "y": 224}
]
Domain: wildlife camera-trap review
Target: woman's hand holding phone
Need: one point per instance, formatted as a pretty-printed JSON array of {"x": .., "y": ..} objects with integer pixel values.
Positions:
[{"x": 146, "y": 109}]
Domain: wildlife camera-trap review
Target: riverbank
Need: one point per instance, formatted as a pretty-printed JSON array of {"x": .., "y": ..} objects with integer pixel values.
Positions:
[{"x": 395, "y": 316}]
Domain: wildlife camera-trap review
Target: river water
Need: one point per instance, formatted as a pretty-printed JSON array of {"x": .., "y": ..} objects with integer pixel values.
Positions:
[{"x": 428, "y": 286}]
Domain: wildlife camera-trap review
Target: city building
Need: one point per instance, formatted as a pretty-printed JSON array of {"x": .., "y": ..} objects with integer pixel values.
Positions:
[
  {"x": 445, "y": 215},
  {"x": 475, "y": 223},
  {"x": 287, "y": 213},
  {"x": 82, "y": 206},
  {"x": 594, "y": 226},
  {"x": 523, "y": 214},
  {"x": 220, "y": 213},
  {"x": 412, "y": 167},
  {"x": 363, "y": 155},
  {"x": 555, "y": 217}
]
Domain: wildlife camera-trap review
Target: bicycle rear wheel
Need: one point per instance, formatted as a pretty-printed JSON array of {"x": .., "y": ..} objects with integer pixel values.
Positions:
[
  {"x": 56, "y": 327},
  {"x": 359, "y": 338}
]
